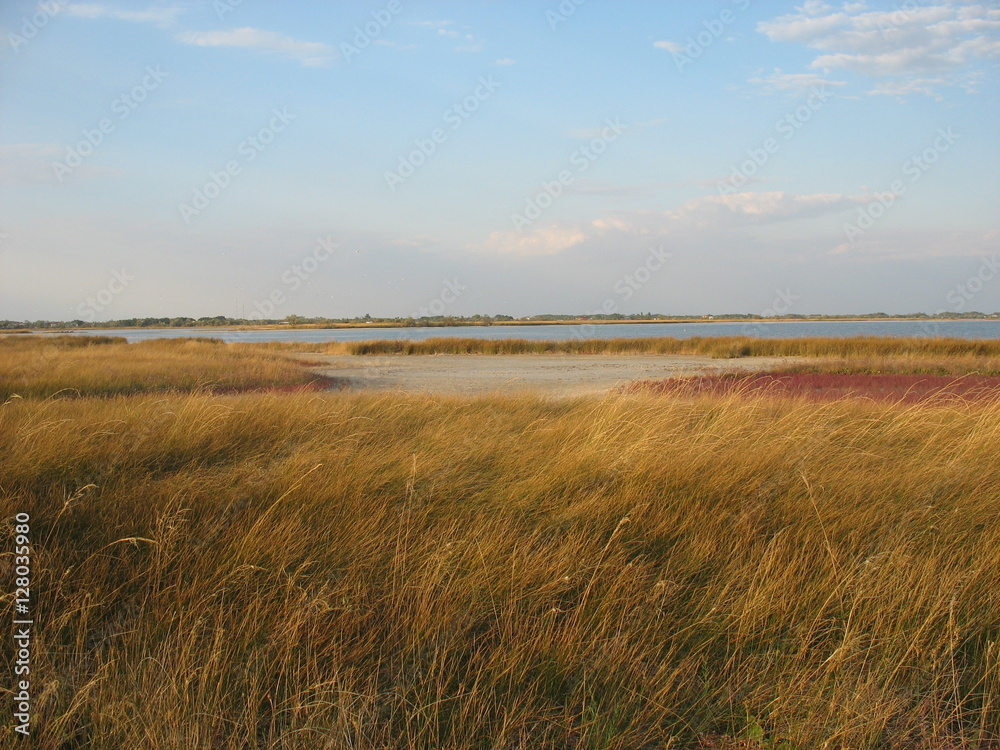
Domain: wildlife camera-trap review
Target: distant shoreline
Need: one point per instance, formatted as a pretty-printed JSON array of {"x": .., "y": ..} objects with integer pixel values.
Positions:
[{"x": 503, "y": 323}]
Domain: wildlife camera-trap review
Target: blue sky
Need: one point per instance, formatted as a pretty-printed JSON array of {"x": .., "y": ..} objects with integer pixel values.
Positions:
[{"x": 343, "y": 158}]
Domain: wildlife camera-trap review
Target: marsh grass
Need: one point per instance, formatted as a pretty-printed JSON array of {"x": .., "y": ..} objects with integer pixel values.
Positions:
[
  {"x": 827, "y": 386},
  {"x": 396, "y": 571},
  {"x": 926, "y": 349},
  {"x": 958, "y": 364},
  {"x": 71, "y": 366}
]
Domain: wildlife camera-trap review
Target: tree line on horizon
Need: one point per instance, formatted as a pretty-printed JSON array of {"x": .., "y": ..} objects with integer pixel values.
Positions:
[{"x": 448, "y": 320}]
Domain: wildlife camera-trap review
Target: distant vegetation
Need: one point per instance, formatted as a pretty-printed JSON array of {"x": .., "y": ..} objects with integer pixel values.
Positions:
[{"x": 455, "y": 320}]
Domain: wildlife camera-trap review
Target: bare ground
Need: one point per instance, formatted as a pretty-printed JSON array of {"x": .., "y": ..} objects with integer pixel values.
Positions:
[{"x": 554, "y": 374}]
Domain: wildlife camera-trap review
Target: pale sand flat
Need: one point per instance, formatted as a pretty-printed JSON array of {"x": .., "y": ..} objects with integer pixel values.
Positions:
[{"x": 554, "y": 374}]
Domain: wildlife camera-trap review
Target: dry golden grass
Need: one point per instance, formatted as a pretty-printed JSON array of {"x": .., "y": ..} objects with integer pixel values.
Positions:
[
  {"x": 361, "y": 571},
  {"x": 919, "y": 364},
  {"x": 40, "y": 367},
  {"x": 921, "y": 349}
]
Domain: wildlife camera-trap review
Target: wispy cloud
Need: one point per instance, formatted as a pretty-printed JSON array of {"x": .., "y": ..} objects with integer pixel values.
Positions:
[
  {"x": 471, "y": 44},
  {"x": 28, "y": 163},
  {"x": 669, "y": 46},
  {"x": 541, "y": 241},
  {"x": 753, "y": 209},
  {"x": 467, "y": 42},
  {"x": 915, "y": 49},
  {"x": 309, "y": 54},
  {"x": 609, "y": 190},
  {"x": 505, "y": 61},
  {"x": 432, "y": 24},
  {"x": 711, "y": 216},
  {"x": 779, "y": 82},
  {"x": 162, "y": 16},
  {"x": 909, "y": 244}
]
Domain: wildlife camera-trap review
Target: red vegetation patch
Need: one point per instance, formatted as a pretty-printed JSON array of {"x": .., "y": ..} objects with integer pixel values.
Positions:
[{"x": 831, "y": 386}]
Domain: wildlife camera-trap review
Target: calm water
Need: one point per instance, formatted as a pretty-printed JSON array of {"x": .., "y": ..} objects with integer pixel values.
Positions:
[{"x": 966, "y": 329}]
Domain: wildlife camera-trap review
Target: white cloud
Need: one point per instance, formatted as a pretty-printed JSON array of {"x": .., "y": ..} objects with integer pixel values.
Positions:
[
  {"x": 814, "y": 7},
  {"x": 792, "y": 83},
  {"x": 903, "y": 88},
  {"x": 712, "y": 216},
  {"x": 467, "y": 42},
  {"x": 542, "y": 241},
  {"x": 669, "y": 46},
  {"x": 159, "y": 16},
  {"x": 749, "y": 209},
  {"x": 917, "y": 49},
  {"x": 431, "y": 24},
  {"x": 910, "y": 244},
  {"x": 310, "y": 54},
  {"x": 504, "y": 61}
]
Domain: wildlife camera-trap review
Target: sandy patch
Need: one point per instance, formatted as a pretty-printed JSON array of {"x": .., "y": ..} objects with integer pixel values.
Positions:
[{"x": 556, "y": 374}]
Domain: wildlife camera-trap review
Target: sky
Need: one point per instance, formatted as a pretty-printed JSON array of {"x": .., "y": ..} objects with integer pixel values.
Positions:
[{"x": 396, "y": 158}]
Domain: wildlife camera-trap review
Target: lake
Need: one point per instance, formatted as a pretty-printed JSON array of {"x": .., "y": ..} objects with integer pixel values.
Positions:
[{"x": 964, "y": 329}]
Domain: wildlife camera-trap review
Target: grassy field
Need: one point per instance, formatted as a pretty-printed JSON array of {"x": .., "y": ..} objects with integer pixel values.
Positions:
[
  {"x": 335, "y": 570},
  {"x": 853, "y": 355},
  {"x": 32, "y": 366},
  {"x": 720, "y": 346}
]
